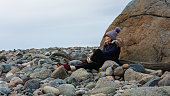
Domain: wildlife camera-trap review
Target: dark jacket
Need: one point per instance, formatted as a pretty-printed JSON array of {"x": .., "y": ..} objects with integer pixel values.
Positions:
[{"x": 111, "y": 52}]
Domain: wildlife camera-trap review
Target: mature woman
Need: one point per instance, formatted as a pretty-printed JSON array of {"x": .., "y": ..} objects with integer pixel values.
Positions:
[{"x": 111, "y": 51}]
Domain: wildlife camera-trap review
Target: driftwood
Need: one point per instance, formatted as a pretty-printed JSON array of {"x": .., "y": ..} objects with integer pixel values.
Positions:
[
  {"x": 67, "y": 56},
  {"x": 165, "y": 66}
]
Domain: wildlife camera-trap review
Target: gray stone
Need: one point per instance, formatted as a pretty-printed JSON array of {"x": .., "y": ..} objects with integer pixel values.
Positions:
[
  {"x": 148, "y": 91},
  {"x": 75, "y": 62},
  {"x": 109, "y": 71},
  {"x": 109, "y": 63},
  {"x": 104, "y": 90},
  {"x": 4, "y": 88},
  {"x": 59, "y": 73},
  {"x": 57, "y": 82},
  {"x": 138, "y": 68},
  {"x": 80, "y": 74},
  {"x": 104, "y": 82},
  {"x": 49, "y": 89},
  {"x": 32, "y": 84},
  {"x": 118, "y": 71},
  {"x": 43, "y": 74},
  {"x": 67, "y": 90},
  {"x": 132, "y": 76},
  {"x": 5, "y": 67},
  {"x": 165, "y": 81},
  {"x": 153, "y": 82}
]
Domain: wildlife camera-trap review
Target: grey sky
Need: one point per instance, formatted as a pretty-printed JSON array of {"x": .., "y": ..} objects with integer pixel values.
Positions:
[{"x": 61, "y": 23}]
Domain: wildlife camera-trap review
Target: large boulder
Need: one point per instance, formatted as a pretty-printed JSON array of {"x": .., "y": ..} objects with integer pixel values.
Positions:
[
  {"x": 148, "y": 91},
  {"x": 145, "y": 30}
]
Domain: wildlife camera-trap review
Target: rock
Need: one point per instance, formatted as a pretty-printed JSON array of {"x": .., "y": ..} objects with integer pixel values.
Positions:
[
  {"x": 125, "y": 66},
  {"x": 32, "y": 84},
  {"x": 3, "y": 57},
  {"x": 165, "y": 81},
  {"x": 99, "y": 94},
  {"x": 109, "y": 63},
  {"x": 37, "y": 92},
  {"x": 71, "y": 80},
  {"x": 138, "y": 68},
  {"x": 133, "y": 85},
  {"x": 144, "y": 41},
  {"x": 148, "y": 91},
  {"x": 104, "y": 82},
  {"x": 104, "y": 90},
  {"x": 57, "y": 82},
  {"x": 43, "y": 74},
  {"x": 4, "y": 88},
  {"x": 16, "y": 81},
  {"x": 154, "y": 72},
  {"x": 75, "y": 62},
  {"x": 18, "y": 87},
  {"x": 110, "y": 77},
  {"x": 80, "y": 74},
  {"x": 59, "y": 73},
  {"x": 102, "y": 74},
  {"x": 119, "y": 71},
  {"x": 43, "y": 61},
  {"x": 90, "y": 85},
  {"x": 153, "y": 82},
  {"x": 109, "y": 71},
  {"x": 132, "y": 76},
  {"x": 80, "y": 92},
  {"x": 5, "y": 67},
  {"x": 49, "y": 89},
  {"x": 14, "y": 70},
  {"x": 67, "y": 90}
]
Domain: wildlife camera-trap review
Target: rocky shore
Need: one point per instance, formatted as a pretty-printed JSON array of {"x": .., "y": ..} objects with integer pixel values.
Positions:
[{"x": 37, "y": 72}]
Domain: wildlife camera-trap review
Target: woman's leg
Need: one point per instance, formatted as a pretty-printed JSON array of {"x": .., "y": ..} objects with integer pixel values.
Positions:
[
  {"x": 97, "y": 56},
  {"x": 93, "y": 65}
]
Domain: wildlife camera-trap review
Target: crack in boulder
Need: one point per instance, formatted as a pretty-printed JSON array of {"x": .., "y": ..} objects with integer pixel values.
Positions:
[{"x": 145, "y": 14}]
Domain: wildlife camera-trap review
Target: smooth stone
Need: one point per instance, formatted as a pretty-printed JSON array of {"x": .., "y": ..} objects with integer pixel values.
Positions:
[
  {"x": 71, "y": 80},
  {"x": 16, "y": 81},
  {"x": 153, "y": 82},
  {"x": 138, "y": 68},
  {"x": 59, "y": 73},
  {"x": 104, "y": 82},
  {"x": 57, "y": 82},
  {"x": 5, "y": 67},
  {"x": 165, "y": 81},
  {"x": 109, "y": 71},
  {"x": 132, "y": 76},
  {"x": 154, "y": 72},
  {"x": 80, "y": 92},
  {"x": 75, "y": 62},
  {"x": 80, "y": 74},
  {"x": 49, "y": 89},
  {"x": 118, "y": 71},
  {"x": 125, "y": 66},
  {"x": 104, "y": 90},
  {"x": 109, "y": 63},
  {"x": 148, "y": 91},
  {"x": 67, "y": 90},
  {"x": 90, "y": 85},
  {"x": 32, "y": 84},
  {"x": 43, "y": 74},
  {"x": 4, "y": 88}
]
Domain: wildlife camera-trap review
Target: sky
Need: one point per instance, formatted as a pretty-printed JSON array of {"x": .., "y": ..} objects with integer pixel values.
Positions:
[{"x": 28, "y": 24}]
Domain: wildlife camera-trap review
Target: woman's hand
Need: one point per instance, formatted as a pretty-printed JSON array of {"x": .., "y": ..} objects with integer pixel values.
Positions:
[{"x": 88, "y": 59}]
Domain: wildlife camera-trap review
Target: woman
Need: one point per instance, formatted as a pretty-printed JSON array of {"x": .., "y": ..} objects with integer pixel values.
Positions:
[{"x": 111, "y": 51}]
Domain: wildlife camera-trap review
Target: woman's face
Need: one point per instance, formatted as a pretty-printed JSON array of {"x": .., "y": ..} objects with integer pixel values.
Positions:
[{"x": 107, "y": 39}]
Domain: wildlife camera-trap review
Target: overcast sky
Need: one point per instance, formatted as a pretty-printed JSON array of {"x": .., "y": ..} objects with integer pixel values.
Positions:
[{"x": 55, "y": 23}]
